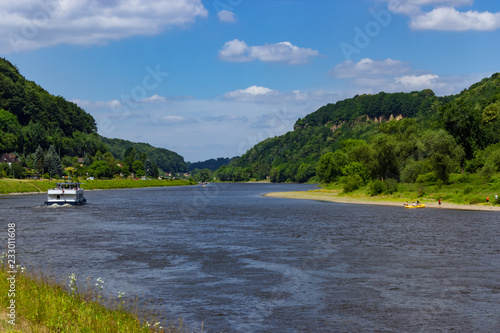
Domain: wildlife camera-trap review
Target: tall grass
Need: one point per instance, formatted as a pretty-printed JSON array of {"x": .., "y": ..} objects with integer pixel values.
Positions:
[{"x": 46, "y": 304}]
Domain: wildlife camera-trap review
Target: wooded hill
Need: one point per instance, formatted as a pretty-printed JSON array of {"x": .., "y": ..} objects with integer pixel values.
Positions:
[
  {"x": 399, "y": 136},
  {"x": 31, "y": 117}
]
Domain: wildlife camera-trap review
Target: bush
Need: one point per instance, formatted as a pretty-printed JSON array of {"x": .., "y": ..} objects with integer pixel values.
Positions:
[
  {"x": 375, "y": 187},
  {"x": 427, "y": 178},
  {"x": 351, "y": 183},
  {"x": 413, "y": 169},
  {"x": 390, "y": 186},
  {"x": 467, "y": 190}
]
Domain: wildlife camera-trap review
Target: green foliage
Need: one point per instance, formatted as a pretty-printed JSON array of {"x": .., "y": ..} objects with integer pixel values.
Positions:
[
  {"x": 165, "y": 159},
  {"x": 372, "y": 106},
  {"x": 211, "y": 164},
  {"x": 429, "y": 177},
  {"x": 351, "y": 183},
  {"x": 150, "y": 169},
  {"x": 330, "y": 166},
  {"x": 442, "y": 151},
  {"x": 375, "y": 187},
  {"x": 204, "y": 175},
  {"x": 305, "y": 172},
  {"x": 52, "y": 162}
]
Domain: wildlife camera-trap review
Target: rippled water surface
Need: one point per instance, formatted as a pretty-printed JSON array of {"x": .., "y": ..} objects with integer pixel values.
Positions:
[{"x": 239, "y": 262}]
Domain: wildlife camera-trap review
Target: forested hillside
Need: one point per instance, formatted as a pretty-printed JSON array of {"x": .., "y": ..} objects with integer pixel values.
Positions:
[
  {"x": 165, "y": 159},
  {"x": 211, "y": 164},
  {"x": 406, "y": 137},
  {"x": 37, "y": 126}
]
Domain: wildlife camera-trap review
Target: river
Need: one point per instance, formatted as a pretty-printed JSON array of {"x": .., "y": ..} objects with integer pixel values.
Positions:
[{"x": 239, "y": 262}]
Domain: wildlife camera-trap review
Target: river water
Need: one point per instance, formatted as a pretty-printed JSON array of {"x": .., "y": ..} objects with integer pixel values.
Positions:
[{"x": 239, "y": 262}]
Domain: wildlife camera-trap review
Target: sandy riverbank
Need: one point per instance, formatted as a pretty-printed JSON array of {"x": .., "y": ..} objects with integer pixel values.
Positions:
[{"x": 333, "y": 197}]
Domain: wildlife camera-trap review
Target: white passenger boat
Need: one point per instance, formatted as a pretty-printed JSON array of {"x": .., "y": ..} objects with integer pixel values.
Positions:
[{"x": 65, "y": 193}]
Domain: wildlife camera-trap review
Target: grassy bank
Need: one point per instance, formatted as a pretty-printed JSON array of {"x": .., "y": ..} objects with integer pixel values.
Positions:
[
  {"x": 41, "y": 186},
  {"x": 44, "y": 304},
  {"x": 463, "y": 192}
]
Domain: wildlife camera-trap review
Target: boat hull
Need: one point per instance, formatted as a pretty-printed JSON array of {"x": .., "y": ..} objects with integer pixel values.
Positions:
[{"x": 61, "y": 203}]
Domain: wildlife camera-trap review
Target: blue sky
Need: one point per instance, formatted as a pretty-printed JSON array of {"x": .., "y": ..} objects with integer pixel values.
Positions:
[{"x": 210, "y": 79}]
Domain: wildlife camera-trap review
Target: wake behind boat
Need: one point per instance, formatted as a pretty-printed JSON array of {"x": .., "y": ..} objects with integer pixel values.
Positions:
[{"x": 65, "y": 193}]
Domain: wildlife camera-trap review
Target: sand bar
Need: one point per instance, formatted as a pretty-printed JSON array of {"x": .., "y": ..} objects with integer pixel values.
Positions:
[{"x": 333, "y": 197}]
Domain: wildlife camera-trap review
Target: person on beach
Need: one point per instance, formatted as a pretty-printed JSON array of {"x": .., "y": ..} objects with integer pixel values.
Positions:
[
  {"x": 439, "y": 201},
  {"x": 487, "y": 199}
]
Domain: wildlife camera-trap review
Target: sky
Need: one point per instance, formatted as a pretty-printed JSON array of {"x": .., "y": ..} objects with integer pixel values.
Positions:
[{"x": 212, "y": 78}]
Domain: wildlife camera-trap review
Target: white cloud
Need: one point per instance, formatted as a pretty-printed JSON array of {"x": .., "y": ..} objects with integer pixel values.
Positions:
[
  {"x": 418, "y": 82},
  {"x": 369, "y": 68},
  {"x": 414, "y": 7},
  {"x": 155, "y": 99},
  {"x": 284, "y": 52},
  {"x": 226, "y": 16},
  {"x": 32, "y": 24},
  {"x": 373, "y": 76},
  {"x": 249, "y": 94},
  {"x": 449, "y": 19},
  {"x": 97, "y": 104},
  {"x": 444, "y": 16},
  {"x": 171, "y": 120}
]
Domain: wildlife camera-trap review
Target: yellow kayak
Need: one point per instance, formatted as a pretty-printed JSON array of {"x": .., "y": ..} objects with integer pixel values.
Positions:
[{"x": 418, "y": 206}]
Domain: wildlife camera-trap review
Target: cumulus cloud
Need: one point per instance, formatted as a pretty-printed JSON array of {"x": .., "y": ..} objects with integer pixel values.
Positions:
[
  {"x": 449, "y": 19},
  {"x": 390, "y": 75},
  {"x": 369, "y": 68},
  {"x": 249, "y": 94},
  {"x": 284, "y": 52},
  {"x": 32, "y": 24},
  {"x": 155, "y": 99},
  {"x": 414, "y": 7},
  {"x": 226, "y": 16},
  {"x": 417, "y": 82},
  {"x": 444, "y": 16}
]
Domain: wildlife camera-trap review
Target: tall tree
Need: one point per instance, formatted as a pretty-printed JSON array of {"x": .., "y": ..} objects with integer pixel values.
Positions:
[
  {"x": 53, "y": 162},
  {"x": 39, "y": 160},
  {"x": 150, "y": 169},
  {"x": 443, "y": 152}
]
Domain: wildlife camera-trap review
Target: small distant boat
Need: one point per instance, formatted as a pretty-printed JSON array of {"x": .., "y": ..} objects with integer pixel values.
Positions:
[
  {"x": 65, "y": 193},
  {"x": 416, "y": 206}
]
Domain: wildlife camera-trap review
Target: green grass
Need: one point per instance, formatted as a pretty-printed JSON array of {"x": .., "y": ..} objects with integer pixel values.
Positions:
[
  {"x": 25, "y": 186},
  {"x": 44, "y": 304},
  {"x": 461, "y": 189}
]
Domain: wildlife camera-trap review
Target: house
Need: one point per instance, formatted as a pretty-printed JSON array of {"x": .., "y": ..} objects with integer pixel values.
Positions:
[
  {"x": 80, "y": 161},
  {"x": 9, "y": 159}
]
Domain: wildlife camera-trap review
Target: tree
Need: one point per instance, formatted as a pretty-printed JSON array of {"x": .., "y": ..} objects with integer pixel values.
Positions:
[
  {"x": 86, "y": 161},
  {"x": 305, "y": 172},
  {"x": 442, "y": 151},
  {"x": 53, "y": 162},
  {"x": 150, "y": 169},
  {"x": 138, "y": 166},
  {"x": 330, "y": 166},
  {"x": 39, "y": 160},
  {"x": 387, "y": 162},
  {"x": 99, "y": 169}
]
